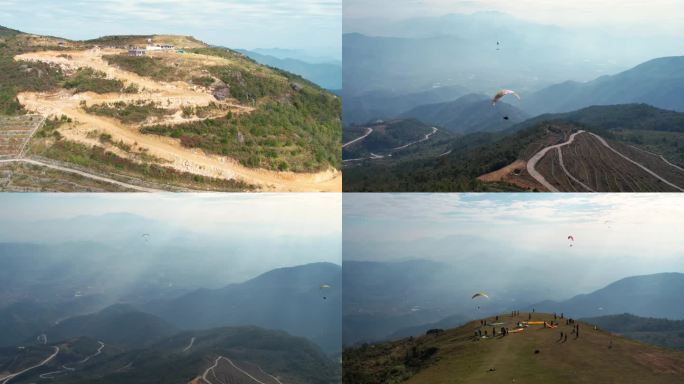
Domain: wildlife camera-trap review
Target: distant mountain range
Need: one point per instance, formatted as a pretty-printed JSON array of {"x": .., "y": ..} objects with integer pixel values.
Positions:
[
  {"x": 663, "y": 332},
  {"x": 326, "y": 74},
  {"x": 467, "y": 114},
  {"x": 393, "y": 300},
  {"x": 417, "y": 53},
  {"x": 658, "y": 295},
  {"x": 657, "y": 82},
  {"x": 360, "y": 109},
  {"x": 288, "y": 299}
]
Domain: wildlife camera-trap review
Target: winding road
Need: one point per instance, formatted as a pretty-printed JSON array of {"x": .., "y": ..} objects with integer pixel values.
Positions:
[
  {"x": 49, "y": 375},
  {"x": 531, "y": 164},
  {"x": 374, "y": 156},
  {"x": 426, "y": 137},
  {"x": 192, "y": 341},
  {"x": 365, "y": 134},
  {"x": 215, "y": 365},
  {"x": 7, "y": 379}
]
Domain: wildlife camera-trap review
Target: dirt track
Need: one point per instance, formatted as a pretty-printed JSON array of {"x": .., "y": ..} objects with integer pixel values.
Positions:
[{"x": 169, "y": 150}]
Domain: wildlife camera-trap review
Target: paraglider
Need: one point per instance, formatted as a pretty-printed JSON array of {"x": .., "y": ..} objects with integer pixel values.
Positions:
[
  {"x": 479, "y": 294},
  {"x": 323, "y": 288},
  {"x": 499, "y": 95},
  {"x": 146, "y": 237},
  {"x": 572, "y": 240}
]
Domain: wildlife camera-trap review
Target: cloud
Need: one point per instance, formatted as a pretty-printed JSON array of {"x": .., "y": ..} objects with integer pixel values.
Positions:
[{"x": 663, "y": 16}]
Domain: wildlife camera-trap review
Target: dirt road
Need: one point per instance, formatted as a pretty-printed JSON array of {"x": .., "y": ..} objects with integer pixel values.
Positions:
[
  {"x": 531, "y": 164},
  {"x": 81, "y": 173},
  {"x": 168, "y": 150}
]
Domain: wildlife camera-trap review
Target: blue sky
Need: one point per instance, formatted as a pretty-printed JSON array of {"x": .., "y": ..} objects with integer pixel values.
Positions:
[
  {"x": 616, "y": 235},
  {"x": 311, "y": 25}
]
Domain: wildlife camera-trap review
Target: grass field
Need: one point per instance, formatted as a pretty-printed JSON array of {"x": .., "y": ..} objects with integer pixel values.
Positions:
[{"x": 535, "y": 355}]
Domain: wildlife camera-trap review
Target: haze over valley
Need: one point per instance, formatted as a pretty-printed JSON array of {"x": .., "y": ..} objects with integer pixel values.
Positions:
[{"x": 131, "y": 287}]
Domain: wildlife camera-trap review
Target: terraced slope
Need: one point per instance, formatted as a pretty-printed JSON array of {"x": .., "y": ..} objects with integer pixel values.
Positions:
[{"x": 204, "y": 119}]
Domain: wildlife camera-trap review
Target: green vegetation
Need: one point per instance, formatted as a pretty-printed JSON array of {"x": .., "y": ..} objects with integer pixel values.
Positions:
[
  {"x": 154, "y": 67},
  {"x": 18, "y": 77},
  {"x": 99, "y": 159},
  {"x": 247, "y": 86},
  {"x": 90, "y": 80},
  {"x": 49, "y": 128},
  {"x": 300, "y": 135},
  {"x": 471, "y": 156},
  {"x": 129, "y": 113},
  {"x": 204, "y": 81}
]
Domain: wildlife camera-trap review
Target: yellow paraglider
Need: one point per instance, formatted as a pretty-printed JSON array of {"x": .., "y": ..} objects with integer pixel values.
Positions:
[{"x": 322, "y": 288}]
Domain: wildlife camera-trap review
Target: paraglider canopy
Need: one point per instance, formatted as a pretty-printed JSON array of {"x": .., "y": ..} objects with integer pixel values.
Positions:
[
  {"x": 323, "y": 288},
  {"x": 480, "y": 294},
  {"x": 499, "y": 95}
]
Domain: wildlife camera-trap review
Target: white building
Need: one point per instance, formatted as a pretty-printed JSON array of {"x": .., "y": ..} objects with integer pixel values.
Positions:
[{"x": 136, "y": 52}]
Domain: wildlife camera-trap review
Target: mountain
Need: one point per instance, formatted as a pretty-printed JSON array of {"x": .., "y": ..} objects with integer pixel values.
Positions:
[
  {"x": 392, "y": 139},
  {"x": 461, "y": 49},
  {"x": 656, "y": 82},
  {"x": 4, "y": 31},
  {"x": 327, "y": 75},
  {"x": 497, "y": 161},
  {"x": 362, "y": 108},
  {"x": 663, "y": 332},
  {"x": 231, "y": 123},
  {"x": 467, "y": 114},
  {"x": 381, "y": 299},
  {"x": 276, "y": 300},
  {"x": 535, "y": 354},
  {"x": 299, "y": 54},
  {"x": 448, "y": 322},
  {"x": 657, "y": 295},
  {"x": 118, "y": 324},
  {"x": 227, "y": 354},
  {"x": 22, "y": 320}
]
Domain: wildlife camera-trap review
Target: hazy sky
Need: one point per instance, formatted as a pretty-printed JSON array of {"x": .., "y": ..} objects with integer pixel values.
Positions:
[
  {"x": 312, "y": 25},
  {"x": 648, "y": 16},
  {"x": 616, "y": 235},
  {"x": 258, "y": 232}
]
